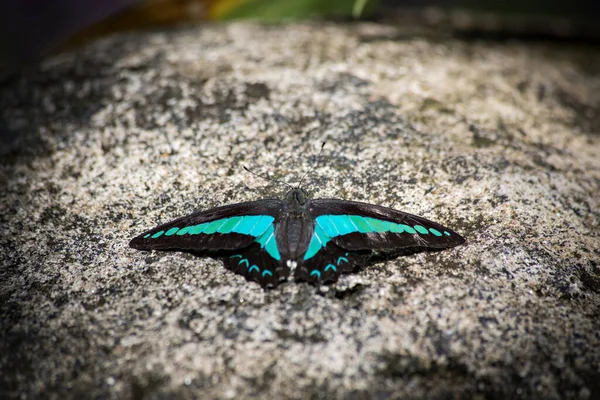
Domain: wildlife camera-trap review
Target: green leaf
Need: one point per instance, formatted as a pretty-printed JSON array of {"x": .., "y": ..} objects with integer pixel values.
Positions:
[{"x": 297, "y": 9}]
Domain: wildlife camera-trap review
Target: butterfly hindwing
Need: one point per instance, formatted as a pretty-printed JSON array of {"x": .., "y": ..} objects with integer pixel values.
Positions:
[
  {"x": 328, "y": 264},
  {"x": 359, "y": 226},
  {"x": 229, "y": 227},
  {"x": 255, "y": 264}
]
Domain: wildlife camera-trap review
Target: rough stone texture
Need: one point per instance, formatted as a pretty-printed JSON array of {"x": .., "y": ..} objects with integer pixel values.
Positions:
[{"x": 499, "y": 141}]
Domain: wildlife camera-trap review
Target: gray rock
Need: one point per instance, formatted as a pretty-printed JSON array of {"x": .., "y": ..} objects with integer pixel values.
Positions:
[{"x": 499, "y": 141}]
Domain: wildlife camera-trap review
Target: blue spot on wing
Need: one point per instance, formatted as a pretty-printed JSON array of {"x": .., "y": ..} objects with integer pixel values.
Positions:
[
  {"x": 171, "y": 231},
  {"x": 340, "y": 259},
  {"x": 421, "y": 229},
  {"x": 244, "y": 261},
  {"x": 183, "y": 231},
  {"x": 435, "y": 232},
  {"x": 394, "y": 228},
  {"x": 407, "y": 229}
]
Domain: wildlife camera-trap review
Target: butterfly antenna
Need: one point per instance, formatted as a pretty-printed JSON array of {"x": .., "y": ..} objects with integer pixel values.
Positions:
[
  {"x": 268, "y": 178},
  {"x": 312, "y": 166}
]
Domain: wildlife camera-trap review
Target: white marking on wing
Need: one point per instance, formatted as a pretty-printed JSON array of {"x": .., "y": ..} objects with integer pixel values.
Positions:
[
  {"x": 291, "y": 265},
  {"x": 353, "y": 224},
  {"x": 269, "y": 239},
  {"x": 317, "y": 237},
  {"x": 334, "y": 225}
]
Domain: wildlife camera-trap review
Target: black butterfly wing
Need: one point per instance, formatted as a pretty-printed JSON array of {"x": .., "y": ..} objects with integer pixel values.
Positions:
[
  {"x": 328, "y": 264},
  {"x": 228, "y": 227},
  {"x": 345, "y": 230},
  {"x": 257, "y": 265},
  {"x": 354, "y": 225},
  {"x": 245, "y": 230}
]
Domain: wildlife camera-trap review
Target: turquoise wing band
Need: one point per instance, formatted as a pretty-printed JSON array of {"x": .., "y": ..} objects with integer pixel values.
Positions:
[
  {"x": 330, "y": 226},
  {"x": 258, "y": 226}
]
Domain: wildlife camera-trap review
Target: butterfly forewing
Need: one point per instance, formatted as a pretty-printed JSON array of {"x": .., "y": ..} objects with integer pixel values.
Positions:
[
  {"x": 361, "y": 226},
  {"x": 224, "y": 228}
]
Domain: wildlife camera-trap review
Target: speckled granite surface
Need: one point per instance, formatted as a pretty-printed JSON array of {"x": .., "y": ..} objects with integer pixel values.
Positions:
[{"x": 500, "y": 141}]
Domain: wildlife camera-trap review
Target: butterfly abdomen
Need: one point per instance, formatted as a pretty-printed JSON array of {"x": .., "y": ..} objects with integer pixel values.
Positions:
[{"x": 293, "y": 234}]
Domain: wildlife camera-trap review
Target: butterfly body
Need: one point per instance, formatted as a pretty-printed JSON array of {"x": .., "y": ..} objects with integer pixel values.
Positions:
[
  {"x": 294, "y": 225},
  {"x": 315, "y": 240}
]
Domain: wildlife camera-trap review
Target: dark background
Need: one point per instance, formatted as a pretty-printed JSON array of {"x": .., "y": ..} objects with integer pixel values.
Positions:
[{"x": 31, "y": 29}]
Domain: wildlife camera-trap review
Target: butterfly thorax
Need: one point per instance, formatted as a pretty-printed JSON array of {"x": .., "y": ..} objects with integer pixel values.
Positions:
[
  {"x": 296, "y": 201},
  {"x": 294, "y": 225}
]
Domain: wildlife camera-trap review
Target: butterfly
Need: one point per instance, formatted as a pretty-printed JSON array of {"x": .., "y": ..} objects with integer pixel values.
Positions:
[{"x": 314, "y": 240}]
